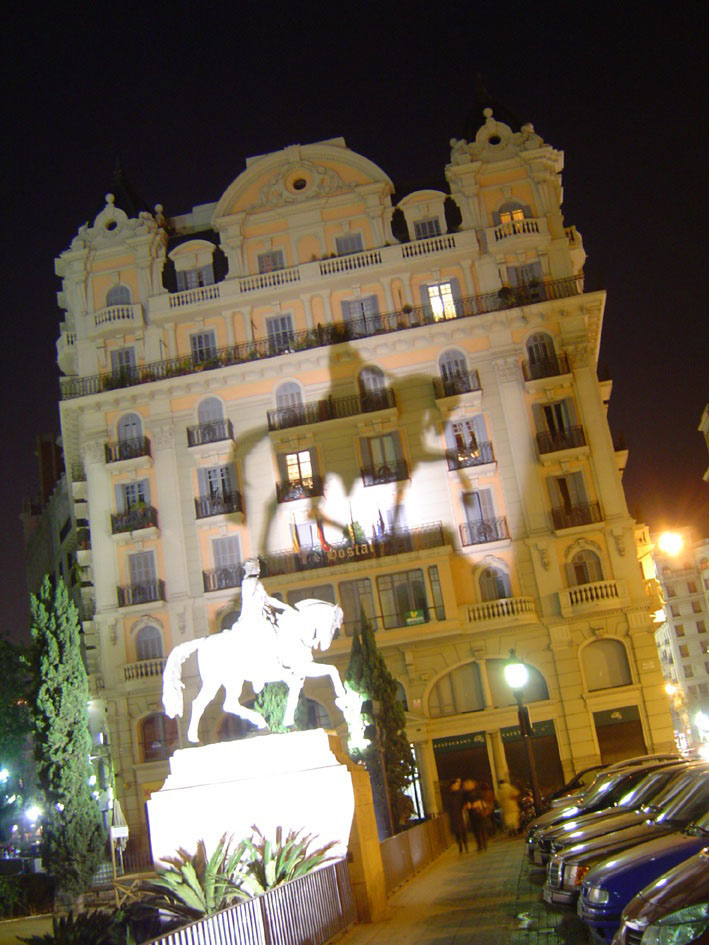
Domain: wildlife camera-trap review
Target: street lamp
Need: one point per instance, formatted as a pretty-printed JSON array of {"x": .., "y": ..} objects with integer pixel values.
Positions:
[{"x": 516, "y": 677}]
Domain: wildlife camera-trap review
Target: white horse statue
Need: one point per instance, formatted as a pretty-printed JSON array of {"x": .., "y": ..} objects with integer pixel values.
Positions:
[{"x": 270, "y": 642}]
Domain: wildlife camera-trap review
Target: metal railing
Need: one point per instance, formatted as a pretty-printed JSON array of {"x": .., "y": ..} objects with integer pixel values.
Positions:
[
  {"x": 132, "y": 520},
  {"x": 143, "y": 593},
  {"x": 310, "y": 910},
  {"x": 395, "y": 472},
  {"x": 212, "y": 431},
  {"x": 477, "y": 455},
  {"x": 299, "y": 489},
  {"x": 131, "y": 448},
  {"x": 456, "y": 384},
  {"x": 549, "y": 367},
  {"x": 219, "y": 579},
  {"x": 333, "y": 408},
  {"x": 480, "y": 533},
  {"x": 320, "y": 336},
  {"x": 394, "y": 543},
  {"x": 412, "y": 849},
  {"x": 568, "y": 439},
  {"x": 207, "y": 505},
  {"x": 586, "y": 513}
]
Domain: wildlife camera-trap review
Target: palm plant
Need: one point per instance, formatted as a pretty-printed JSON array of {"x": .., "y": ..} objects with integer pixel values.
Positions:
[
  {"x": 267, "y": 864},
  {"x": 86, "y": 928}
]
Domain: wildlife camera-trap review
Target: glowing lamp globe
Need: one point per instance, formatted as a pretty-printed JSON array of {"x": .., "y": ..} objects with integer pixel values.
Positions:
[
  {"x": 516, "y": 673},
  {"x": 670, "y": 543}
]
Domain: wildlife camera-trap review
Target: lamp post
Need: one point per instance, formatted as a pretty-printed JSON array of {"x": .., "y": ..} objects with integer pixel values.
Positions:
[{"x": 516, "y": 677}]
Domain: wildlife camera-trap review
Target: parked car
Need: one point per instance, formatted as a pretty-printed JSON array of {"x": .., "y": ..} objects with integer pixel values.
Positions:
[
  {"x": 647, "y": 798},
  {"x": 569, "y": 794},
  {"x": 579, "y": 783},
  {"x": 674, "y": 908},
  {"x": 568, "y": 868},
  {"x": 608, "y": 787}
]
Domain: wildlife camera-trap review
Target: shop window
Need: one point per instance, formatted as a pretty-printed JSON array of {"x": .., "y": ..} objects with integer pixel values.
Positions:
[{"x": 402, "y": 598}]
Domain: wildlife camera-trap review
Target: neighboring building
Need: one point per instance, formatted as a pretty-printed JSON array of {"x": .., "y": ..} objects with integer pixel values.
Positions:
[
  {"x": 704, "y": 428},
  {"x": 395, "y": 407},
  {"x": 683, "y": 638}
]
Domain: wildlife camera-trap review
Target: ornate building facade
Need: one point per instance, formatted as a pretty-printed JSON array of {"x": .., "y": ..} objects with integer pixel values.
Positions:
[{"x": 396, "y": 407}]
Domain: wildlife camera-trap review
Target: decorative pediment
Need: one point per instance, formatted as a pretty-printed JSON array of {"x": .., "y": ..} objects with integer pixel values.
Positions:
[{"x": 297, "y": 182}]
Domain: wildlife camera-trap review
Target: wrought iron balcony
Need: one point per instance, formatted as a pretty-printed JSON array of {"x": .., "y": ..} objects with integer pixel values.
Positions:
[
  {"x": 131, "y": 448},
  {"x": 211, "y": 432},
  {"x": 487, "y": 530},
  {"x": 567, "y": 439},
  {"x": 143, "y": 593},
  {"x": 219, "y": 579},
  {"x": 586, "y": 513},
  {"x": 320, "y": 336},
  {"x": 299, "y": 489},
  {"x": 477, "y": 455},
  {"x": 393, "y": 543},
  {"x": 132, "y": 520},
  {"x": 457, "y": 384},
  {"x": 208, "y": 505},
  {"x": 334, "y": 408},
  {"x": 376, "y": 475},
  {"x": 549, "y": 367}
]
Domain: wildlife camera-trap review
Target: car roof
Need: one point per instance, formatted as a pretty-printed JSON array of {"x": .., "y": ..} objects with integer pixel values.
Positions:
[{"x": 641, "y": 759}]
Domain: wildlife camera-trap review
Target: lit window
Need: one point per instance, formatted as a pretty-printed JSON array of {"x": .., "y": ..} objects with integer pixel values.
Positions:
[
  {"x": 684, "y": 650},
  {"x": 270, "y": 262},
  {"x": 511, "y": 216},
  {"x": 442, "y": 301},
  {"x": 299, "y": 466}
]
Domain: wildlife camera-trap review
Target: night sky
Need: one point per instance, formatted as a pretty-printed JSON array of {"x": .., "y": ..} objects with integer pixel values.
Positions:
[{"x": 185, "y": 93}]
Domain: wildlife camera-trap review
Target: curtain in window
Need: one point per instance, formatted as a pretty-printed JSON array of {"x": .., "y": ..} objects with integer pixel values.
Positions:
[{"x": 148, "y": 643}]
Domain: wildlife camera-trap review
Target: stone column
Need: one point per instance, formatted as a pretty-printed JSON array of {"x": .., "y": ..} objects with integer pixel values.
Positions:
[{"x": 429, "y": 776}]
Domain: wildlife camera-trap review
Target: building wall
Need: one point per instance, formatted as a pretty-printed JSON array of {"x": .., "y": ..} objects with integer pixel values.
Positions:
[{"x": 510, "y": 271}]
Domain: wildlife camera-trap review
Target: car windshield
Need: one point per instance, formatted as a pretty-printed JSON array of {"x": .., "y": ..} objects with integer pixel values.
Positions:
[
  {"x": 608, "y": 788},
  {"x": 691, "y": 804},
  {"x": 671, "y": 790},
  {"x": 650, "y": 785}
]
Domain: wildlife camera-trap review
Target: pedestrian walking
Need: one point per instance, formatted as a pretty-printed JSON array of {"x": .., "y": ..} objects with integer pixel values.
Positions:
[
  {"x": 454, "y": 801},
  {"x": 507, "y": 795},
  {"x": 477, "y": 813}
]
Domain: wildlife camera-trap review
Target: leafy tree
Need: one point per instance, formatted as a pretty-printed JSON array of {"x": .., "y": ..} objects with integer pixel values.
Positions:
[
  {"x": 15, "y": 728},
  {"x": 73, "y": 836},
  {"x": 368, "y": 674},
  {"x": 271, "y": 704}
]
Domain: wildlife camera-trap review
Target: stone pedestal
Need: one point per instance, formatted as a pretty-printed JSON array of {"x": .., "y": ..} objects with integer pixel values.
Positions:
[{"x": 292, "y": 781}]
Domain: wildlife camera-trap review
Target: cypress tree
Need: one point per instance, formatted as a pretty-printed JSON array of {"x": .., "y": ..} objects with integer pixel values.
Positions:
[
  {"x": 368, "y": 674},
  {"x": 73, "y": 835}
]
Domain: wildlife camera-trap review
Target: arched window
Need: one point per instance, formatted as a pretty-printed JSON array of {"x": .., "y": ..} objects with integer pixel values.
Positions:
[
  {"x": 535, "y": 691},
  {"x": 494, "y": 584},
  {"x": 118, "y": 295},
  {"x": 148, "y": 643},
  {"x": 453, "y": 365},
  {"x": 310, "y": 714},
  {"x": 129, "y": 427},
  {"x": 401, "y": 696},
  {"x": 585, "y": 568},
  {"x": 209, "y": 410},
  {"x": 512, "y": 212},
  {"x": 605, "y": 664},
  {"x": 289, "y": 395},
  {"x": 230, "y": 618},
  {"x": 158, "y": 737},
  {"x": 460, "y": 690},
  {"x": 540, "y": 348}
]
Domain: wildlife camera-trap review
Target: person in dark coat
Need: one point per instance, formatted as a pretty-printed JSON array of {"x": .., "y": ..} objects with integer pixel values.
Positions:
[
  {"x": 477, "y": 813},
  {"x": 454, "y": 802}
]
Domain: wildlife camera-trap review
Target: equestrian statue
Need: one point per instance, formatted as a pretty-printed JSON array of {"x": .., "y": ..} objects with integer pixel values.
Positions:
[{"x": 270, "y": 642}]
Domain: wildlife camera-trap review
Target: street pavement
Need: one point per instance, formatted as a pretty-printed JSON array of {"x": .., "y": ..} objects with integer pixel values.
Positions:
[{"x": 490, "y": 898}]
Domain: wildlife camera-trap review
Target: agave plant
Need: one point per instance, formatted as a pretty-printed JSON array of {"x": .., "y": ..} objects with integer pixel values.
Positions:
[
  {"x": 266, "y": 864},
  {"x": 197, "y": 885},
  {"x": 86, "y": 928}
]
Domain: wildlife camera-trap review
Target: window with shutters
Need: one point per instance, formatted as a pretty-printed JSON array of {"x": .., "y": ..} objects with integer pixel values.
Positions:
[
  {"x": 467, "y": 442},
  {"x": 148, "y": 643},
  {"x": 204, "y": 346},
  {"x": 481, "y": 523},
  {"x": 226, "y": 554},
  {"x": 289, "y": 395},
  {"x": 382, "y": 459},
  {"x": 280, "y": 332},
  {"x": 423, "y": 229},
  {"x": 129, "y": 428},
  {"x": 585, "y": 568},
  {"x": 402, "y": 599},
  {"x": 362, "y": 315},
  {"x": 194, "y": 278},
  {"x": 118, "y": 295},
  {"x": 348, "y": 244},
  {"x": 217, "y": 481},
  {"x": 494, "y": 584},
  {"x": 298, "y": 475},
  {"x": 141, "y": 566},
  {"x": 123, "y": 362},
  {"x": 132, "y": 495},
  {"x": 271, "y": 261}
]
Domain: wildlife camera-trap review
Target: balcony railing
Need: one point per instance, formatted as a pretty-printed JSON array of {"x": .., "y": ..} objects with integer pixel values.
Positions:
[
  {"x": 592, "y": 594},
  {"x": 132, "y": 520},
  {"x": 504, "y": 609},
  {"x": 143, "y": 593},
  {"x": 457, "y": 384},
  {"x": 477, "y": 455},
  {"x": 320, "y": 336},
  {"x": 331, "y": 409},
  {"x": 394, "y": 472},
  {"x": 127, "y": 449},
  {"x": 549, "y": 367},
  {"x": 219, "y": 579},
  {"x": 586, "y": 513},
  {"x": 567, "y": 439},
  {"x": 211, "y": 432},
  {"x": 207, "y": 505},
  {"x": 144, "y": 669},
  {"x": 394, "y": 543},
  {"x": 480, "y": 533},
  {"x": 516, "y": 228},
  {"x": 299, "y": 489}
]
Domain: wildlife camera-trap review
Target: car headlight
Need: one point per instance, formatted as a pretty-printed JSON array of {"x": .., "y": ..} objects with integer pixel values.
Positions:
[
  {"x": 597, "y": 894},
  {"x": 574, "y": 874},
  {"x": 678, "y": 928}
]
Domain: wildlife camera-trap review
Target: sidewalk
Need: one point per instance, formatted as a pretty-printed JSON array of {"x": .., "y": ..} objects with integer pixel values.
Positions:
[{"x": 491, "y": 898}]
